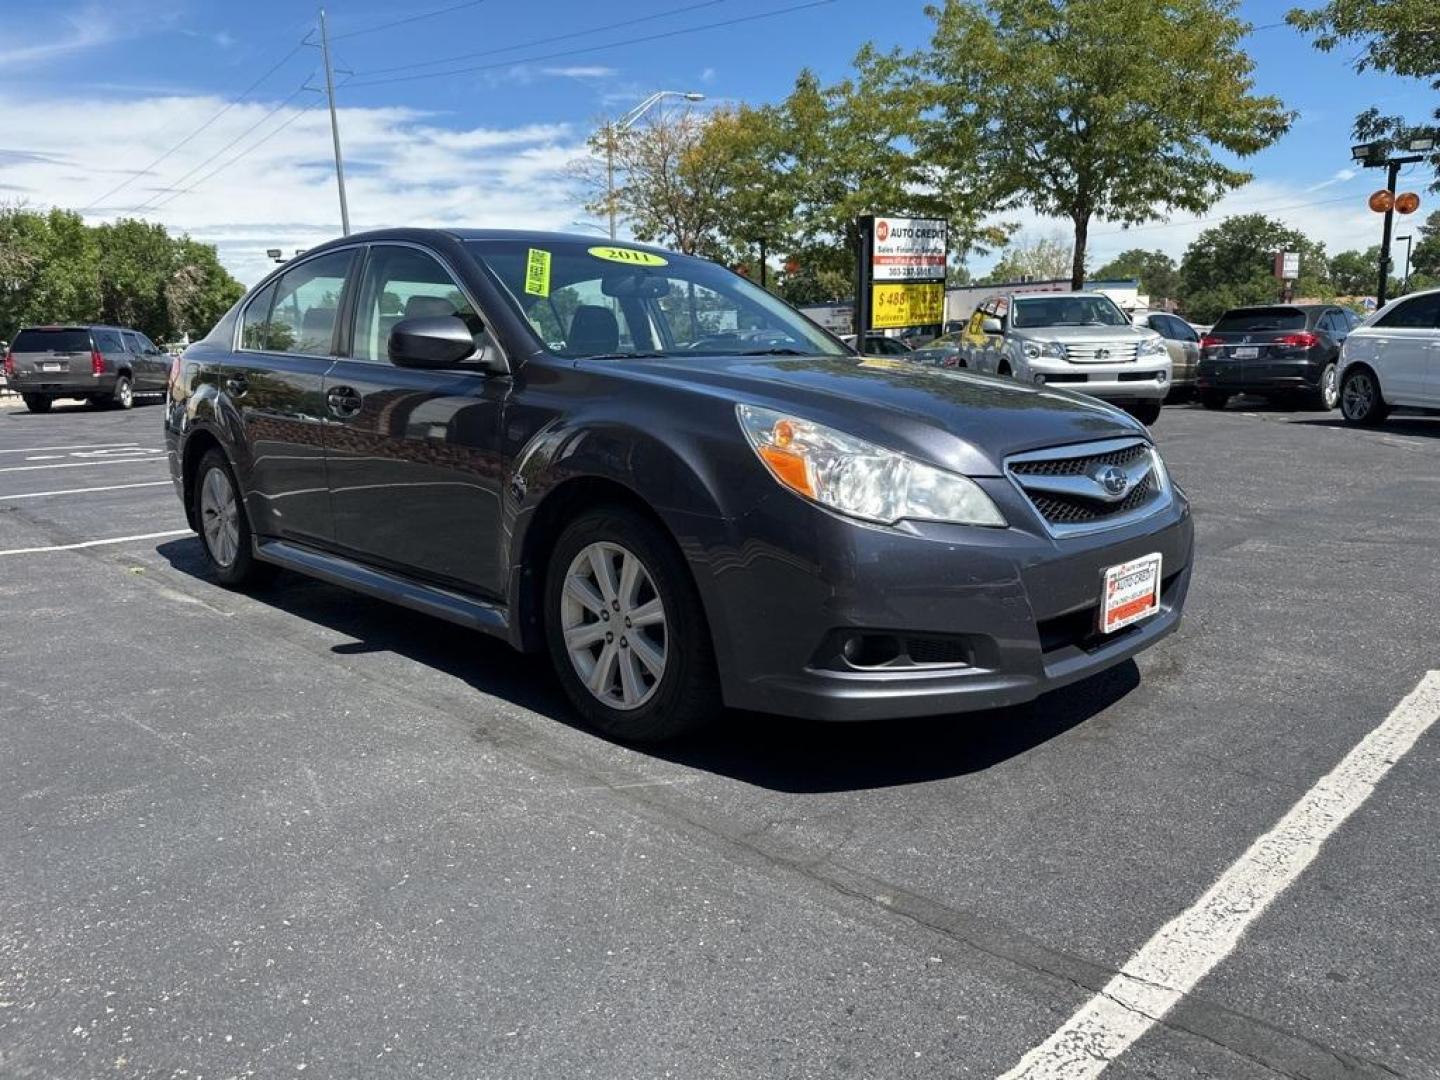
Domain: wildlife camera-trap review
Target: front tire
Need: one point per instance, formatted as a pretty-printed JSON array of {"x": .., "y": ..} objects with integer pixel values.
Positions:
[
  {"x": 37, "y": 403},
  {"x": 224, "y": 526},
  {"x": 627, "y": 635},
  {"x": 1214, "y": 400},
  {"x": 1361, "y": 403}
]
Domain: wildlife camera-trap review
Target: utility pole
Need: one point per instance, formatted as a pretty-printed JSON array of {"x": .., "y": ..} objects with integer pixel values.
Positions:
[
  {"x": 1392, "y": 177},
  {"x": 762, "y": 262},
  {"x": 610, "y": 175},
  {"x": 335, "y": 126}
]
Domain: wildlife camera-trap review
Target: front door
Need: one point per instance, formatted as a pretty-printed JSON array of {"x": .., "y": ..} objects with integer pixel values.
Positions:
[
  {"x": 275, "y": 381},
  {"x": 413, "y": 464},
  {"x": 1404, "y": 336}
]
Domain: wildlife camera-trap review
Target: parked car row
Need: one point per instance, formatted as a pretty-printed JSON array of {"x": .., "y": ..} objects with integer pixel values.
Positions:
[{"x": 103, "y": 365}]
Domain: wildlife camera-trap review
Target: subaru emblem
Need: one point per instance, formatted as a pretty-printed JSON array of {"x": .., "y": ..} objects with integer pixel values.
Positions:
[{"x": 1113, "y": 479}]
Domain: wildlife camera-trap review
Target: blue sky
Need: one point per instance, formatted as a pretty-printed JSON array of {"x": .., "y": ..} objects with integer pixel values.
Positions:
[{"x": 95, "y": 94}]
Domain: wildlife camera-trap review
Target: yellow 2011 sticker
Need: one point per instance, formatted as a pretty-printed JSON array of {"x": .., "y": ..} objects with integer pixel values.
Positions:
[
  {"x": 537, "y": 273},
  {"x": 628, "y": 256}
]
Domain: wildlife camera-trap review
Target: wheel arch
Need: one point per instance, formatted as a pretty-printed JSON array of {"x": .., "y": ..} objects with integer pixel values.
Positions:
[{"x": 197, "y": 444}]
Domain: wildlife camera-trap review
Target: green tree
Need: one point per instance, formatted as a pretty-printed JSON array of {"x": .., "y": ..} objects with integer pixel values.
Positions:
[
  {"x": 1233, "y": 263},
  {"x": 135, "y": 260},
  {"x": 1352, "y": 273},
  {"x": 1401, "y": 37},
  {"x": 49, "y": 268},
  {"x": 1425, "y": 254},
  {"x": 1158, "y": 276},
  {"x": 1098, "y": 108},
  {"x": 1041, "y": 258}
]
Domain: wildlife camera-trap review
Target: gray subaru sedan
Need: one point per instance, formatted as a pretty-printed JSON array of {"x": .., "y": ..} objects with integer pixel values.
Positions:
[{"x": 683, "y": 490}]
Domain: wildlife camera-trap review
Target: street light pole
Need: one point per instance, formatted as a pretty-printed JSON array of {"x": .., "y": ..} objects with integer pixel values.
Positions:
[
  {"x": 624, "y": 124},
  {"x": 1392, "y": 177},
  {"x": 334, "y": 126},
  {"x": 1405, "y": 277},
  {"x": 1369, "y": 155}
]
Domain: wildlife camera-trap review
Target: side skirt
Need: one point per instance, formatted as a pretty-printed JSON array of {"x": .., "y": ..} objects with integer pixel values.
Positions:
[{"x": 430, "y": 600}]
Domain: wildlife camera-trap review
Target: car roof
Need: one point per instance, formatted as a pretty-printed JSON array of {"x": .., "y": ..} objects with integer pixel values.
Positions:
[
  {"x": 532, "y": 236},
  {"x": 78, "y": 326}
]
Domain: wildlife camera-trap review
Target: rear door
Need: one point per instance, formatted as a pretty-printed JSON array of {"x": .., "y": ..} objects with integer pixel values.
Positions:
[
  {"x": 153, "y": 362},
  {"x": 274, "y": 380},
  {"x": 111, "y": 345},
  {"x": 59, "y": 353},
  {"x": 414, "y": 462}
]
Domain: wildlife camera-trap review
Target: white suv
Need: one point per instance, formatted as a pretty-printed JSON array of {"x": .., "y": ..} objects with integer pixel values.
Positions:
[{"x": 1392, "y": 359}]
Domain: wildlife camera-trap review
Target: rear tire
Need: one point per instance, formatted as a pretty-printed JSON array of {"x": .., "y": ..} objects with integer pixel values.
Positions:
[
  {"x": 593, "y": 642},
  {"x": 37, "y": 403},
  {"x": 1327, "y": 395},
  {"x": 1214, "y": 399},
  {"x": 1147, "y": 412},
  {"x": 1361, "y": 402},
  {"x": 224, "y": 530},
  {"x": 123, "y": 396}
]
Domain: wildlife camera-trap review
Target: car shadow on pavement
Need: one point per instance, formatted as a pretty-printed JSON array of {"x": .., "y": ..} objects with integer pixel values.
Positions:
[
  {"x": 775, "y": 752},
  {"x": 1427, "y": 426}
]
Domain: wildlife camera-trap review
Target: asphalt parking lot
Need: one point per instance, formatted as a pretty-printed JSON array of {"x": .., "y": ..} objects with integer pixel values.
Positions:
[{"x": 301, "y": 832}]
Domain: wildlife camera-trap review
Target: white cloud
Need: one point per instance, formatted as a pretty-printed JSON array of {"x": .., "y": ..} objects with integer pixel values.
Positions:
[
  {"x": 707, "y": 76},
  {"x": 84, "y": 29},
  {"x": 580, "y": 71},
  {"x": 401, "y": 169}
]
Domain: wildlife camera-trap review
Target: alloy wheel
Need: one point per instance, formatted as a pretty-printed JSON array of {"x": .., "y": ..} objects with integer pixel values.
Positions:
[
  {"x": 220, "y": 517},
  {"x": 1330, "y": 387},
  {"x": 614, "y": 625},
  {"x": 125, "y": 394},
  {"x": 1358, "y": 397}
]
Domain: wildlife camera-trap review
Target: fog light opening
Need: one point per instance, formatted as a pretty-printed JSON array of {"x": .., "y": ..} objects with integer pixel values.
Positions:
[
  {"x": 870, "y": 650},
  {"x": 1160, "y": 377},
  {"x": 1039, "y": 379}
]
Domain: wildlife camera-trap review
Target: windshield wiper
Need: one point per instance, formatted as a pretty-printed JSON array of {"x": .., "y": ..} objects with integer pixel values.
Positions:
[
  {"x": 773, "y": 352},
  {"x": 620, "y": 356}
]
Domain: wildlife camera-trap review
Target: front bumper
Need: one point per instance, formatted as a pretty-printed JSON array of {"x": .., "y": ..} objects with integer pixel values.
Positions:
[
  {"x": 1148, "y": 379},
  {"x": 1010, "y": 613}
]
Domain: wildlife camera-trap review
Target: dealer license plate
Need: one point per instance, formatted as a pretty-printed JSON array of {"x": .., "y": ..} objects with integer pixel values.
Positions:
[
  {"x": 1132, "y": 593},
  {"x": 1246, "y": 354}
]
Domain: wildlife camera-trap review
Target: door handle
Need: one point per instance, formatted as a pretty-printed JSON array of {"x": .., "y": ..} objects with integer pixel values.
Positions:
[
  {"x": 237, "y": 386},
  {"x": 343, "y": 401}
]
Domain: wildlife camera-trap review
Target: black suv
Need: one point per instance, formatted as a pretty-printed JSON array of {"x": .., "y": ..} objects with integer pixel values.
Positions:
[
  {"x": 1288, "y": 353},
  {"x": 684, "y": 490},
  {"x": 104, "y": 365}
]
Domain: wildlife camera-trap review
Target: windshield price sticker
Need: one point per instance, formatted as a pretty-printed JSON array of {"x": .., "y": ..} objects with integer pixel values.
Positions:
[
  {"x": 537, "y": 273},
  {"x": 628, "y": 256}
]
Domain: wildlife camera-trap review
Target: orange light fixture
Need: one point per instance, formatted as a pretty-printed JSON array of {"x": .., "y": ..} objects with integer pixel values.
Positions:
[
  {"x": 1382, "y": 200},
  {"x": 1407, "y": 202}
]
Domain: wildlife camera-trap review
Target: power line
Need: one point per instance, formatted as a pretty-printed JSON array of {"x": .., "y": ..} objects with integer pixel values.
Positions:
[
  {"x": 599, "y": 48},
  {"x": 151, "y": 203},
  {"x": 183, "y": 142},
  {"x": 548, "y": 40},
  {"x": 408, "y": 19}
]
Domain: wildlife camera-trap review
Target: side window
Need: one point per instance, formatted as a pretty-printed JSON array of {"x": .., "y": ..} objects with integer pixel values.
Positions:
[
  {"x": 307, "y": 300},
  {"x": 132, "y": 342},
  {"x": 108, "y": 341},
  {"x": 403, "y": 283},
  {"x": 1421, "y": 313},
  {"x": 1161, "y": 325},
  {"x": 1352, "y": 319},
  {"x": 1181, "y": 330},
  {"x": 146, "y": 345},
  {"x": 253, "y": 330}
]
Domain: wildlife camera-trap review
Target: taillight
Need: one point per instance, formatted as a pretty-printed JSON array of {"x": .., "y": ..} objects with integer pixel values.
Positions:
[
  {"x": 1303, "y": 340},
  {"x": 97, "y": 362},
  {"x": 9, "y": 364},
  {"x": 1210, "y": 341}
]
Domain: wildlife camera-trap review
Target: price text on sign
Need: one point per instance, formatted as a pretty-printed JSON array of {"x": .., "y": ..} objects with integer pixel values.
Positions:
[{"x": 895, "y": 306}]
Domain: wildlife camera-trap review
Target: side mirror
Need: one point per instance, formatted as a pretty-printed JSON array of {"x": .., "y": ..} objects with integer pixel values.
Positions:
[
  {"x": 431, "y": 341},
  {"x": 990, "y": 325}
]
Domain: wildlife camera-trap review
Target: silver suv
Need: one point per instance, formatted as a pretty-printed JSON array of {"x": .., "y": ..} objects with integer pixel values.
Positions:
[{"x": 1074, "y": 340}]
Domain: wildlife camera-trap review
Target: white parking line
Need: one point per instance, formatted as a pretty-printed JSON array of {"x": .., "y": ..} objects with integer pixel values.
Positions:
[
  {"x": 95, "y": 446},
  {"x": 96, "y": 543},
  {"x": 86, "y": 491},
  {"x": 1182, "y": 952},
  {"x": 84, "y": 464}
]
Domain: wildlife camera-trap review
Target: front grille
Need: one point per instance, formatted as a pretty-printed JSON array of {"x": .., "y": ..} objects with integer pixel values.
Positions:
[
  {"x": 1115, "y": 352},
  {"x": 1066, "y": 485}
]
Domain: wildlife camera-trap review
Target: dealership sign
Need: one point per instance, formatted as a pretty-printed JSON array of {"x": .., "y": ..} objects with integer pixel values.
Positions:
[{"x": 902, "y": 273}]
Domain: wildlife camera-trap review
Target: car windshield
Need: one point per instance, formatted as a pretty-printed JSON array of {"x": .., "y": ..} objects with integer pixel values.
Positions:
[
  {"x": 614, "y": 301},
  {"x": 1068, "y": 311},
  {"x": 28, "y": 341},
  {"x": 1249, "y": 320}
]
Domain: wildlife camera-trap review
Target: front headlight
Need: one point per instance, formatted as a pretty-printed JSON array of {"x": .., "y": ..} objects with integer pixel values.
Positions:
[
  {"x": 1050, "y": 350},
  {"x": 1151, "y": 346},
  {"x": 859, "y": 478}
]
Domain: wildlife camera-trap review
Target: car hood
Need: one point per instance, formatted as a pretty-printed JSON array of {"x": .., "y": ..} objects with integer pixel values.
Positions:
[
  {"x": 955, "y": 419},
  {"x": 1083, "y": 333}
]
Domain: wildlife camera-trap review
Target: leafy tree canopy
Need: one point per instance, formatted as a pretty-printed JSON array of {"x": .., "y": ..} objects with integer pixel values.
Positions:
[
  {"x": 1041, "y": 258},
  {"x": 1098, "y": 108},
  {"x": 1233, "y": 263},
  {"x": 1156, "y": 272}
]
